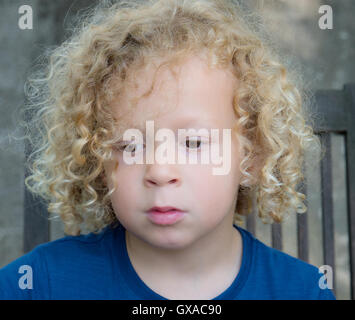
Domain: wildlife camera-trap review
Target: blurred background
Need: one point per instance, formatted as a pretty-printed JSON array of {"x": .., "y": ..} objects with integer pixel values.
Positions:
[{"x": 325, "y": 58}]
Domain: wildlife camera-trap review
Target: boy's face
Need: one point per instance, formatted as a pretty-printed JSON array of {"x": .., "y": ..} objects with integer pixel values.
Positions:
[{"x": 201, "y": 98}]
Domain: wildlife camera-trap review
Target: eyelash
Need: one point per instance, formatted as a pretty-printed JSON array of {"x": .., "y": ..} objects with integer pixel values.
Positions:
[
  {"x": 196, "y": 141},
  {"x": 122, "y": 146}
]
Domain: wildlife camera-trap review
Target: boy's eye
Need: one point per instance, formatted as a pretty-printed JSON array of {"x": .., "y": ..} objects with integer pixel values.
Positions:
[
  {"x": 130, "y": 147},
  {"x": 193, "y": 143}
]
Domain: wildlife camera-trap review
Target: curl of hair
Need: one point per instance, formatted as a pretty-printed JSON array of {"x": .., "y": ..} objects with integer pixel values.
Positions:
[{"x": 72, "y": 128}]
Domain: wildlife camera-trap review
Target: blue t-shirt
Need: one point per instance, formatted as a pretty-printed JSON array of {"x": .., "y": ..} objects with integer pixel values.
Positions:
[{"x": 97, "y": 266}]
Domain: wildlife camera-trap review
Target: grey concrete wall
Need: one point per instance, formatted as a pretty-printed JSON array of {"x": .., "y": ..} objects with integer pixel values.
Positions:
[
  {"x": 325, "y": 58},
  {"x": 16, "y": 46},
  {"x": 20, "y": 50}
]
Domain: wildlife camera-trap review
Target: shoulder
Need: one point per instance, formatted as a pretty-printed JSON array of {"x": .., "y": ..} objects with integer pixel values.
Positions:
[
  {"x": 71, "y": 248},
  {"x": 85, "y": 243},
  {"x": 32, "y": 275},
  {"x": 289, "y": 277}
]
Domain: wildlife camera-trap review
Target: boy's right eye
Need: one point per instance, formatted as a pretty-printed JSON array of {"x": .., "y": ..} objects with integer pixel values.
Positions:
[{"x": 130, "y": 147}]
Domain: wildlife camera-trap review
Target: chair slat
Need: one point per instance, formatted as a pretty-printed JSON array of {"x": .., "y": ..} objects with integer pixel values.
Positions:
[
  {"x": 250, "y": 220},
  {"x": 331, "y": 111},
  {"x": 327, "y": 204},
  {"x": 302, "y": 228},
  {"x": 276, "y": 236},
  {"x": 251, "y": 223},
  {"x": 349, "y": 91}
]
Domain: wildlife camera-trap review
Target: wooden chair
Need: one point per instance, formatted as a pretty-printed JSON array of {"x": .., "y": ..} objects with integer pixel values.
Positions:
[{"x": 336, "y": 109}]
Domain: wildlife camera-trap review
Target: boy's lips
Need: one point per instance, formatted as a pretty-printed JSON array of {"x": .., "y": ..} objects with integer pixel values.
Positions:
[
  {"x": 165, "y": 215},
  {"x": 164, "y": 209}
]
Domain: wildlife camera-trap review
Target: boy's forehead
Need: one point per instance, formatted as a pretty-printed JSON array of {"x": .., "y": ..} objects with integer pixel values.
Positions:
[{"x": 191, "y": 91}]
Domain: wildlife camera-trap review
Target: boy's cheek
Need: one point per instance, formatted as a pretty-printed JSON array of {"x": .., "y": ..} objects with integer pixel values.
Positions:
[
  {"x": 203, "y": 180},
  {"x": 109, "y": 176}
]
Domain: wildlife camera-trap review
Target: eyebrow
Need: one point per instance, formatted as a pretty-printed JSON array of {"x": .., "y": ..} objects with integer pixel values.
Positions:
[
  {"x": 184, "y": 123},
  {"x": 203, "y": 123}
]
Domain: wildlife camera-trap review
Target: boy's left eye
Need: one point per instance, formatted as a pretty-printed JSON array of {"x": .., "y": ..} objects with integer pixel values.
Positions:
[{"x": 193, "y": 143}]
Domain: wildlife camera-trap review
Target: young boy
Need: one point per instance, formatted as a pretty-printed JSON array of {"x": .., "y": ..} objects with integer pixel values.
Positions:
[{"x": 166, "y": 229}]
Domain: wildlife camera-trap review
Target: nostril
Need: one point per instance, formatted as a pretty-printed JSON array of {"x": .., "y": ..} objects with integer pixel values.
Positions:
[
  {"x": 151, "y": 182},
  {"x": 172, "y": 180}
]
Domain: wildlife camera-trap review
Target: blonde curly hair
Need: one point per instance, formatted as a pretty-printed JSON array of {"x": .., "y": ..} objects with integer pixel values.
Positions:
[{"x": 72, "y": 129}]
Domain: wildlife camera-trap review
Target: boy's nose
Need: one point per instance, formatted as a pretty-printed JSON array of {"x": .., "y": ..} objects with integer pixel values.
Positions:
[{"x": 160, "y": 175}]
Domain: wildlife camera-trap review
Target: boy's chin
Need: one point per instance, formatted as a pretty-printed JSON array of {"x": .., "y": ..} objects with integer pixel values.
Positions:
[{"x": 171, "y": 243}]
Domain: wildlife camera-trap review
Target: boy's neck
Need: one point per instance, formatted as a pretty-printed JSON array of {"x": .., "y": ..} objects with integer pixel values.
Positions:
[{"x": 211, "y": 262}]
